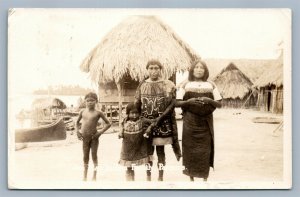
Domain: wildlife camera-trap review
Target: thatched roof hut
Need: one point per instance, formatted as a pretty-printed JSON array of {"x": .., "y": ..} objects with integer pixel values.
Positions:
[
  {"x": 118, "y": 63},
  {"x": 127, "y": 48},
  {"x": 44, "y": 103},
  {"x": 47, "y": 108},
  {"x": 232, "y": 83},
  {"x": 252, "y": 68},
  {"x": 270, "y": 88},
  {"x": 234, "y": 86},
  {"x": 272, "y": 76}
]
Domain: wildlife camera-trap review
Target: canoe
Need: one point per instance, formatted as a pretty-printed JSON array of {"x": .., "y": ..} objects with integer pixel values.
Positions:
[
  {"x": 50, "y": 132},
  {"x": 69, "y": 122},
  {"x": 268, "y": 120},
  {"x": 69, "y": 113}
]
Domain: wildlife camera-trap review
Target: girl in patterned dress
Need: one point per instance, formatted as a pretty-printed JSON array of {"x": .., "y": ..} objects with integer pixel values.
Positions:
[
  {"x": 200, "y": 99},
  {"x": 134, "y": 145}
]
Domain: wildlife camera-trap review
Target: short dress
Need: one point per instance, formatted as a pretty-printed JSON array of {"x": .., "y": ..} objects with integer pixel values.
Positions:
[
  {"x": 198, "y": 132},
  {"x": 134, "y": 145}
]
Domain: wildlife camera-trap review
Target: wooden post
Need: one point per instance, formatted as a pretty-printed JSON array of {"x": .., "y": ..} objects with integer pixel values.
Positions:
[
  {"x": 51, "y": 114},
  {"x": 258, "y": 100},
  {"x": 111, "y": 114},
  {"x": 244, "y": 104},
  {"x": 120, "y": 89},
  {"x": 105, "y": 109}
]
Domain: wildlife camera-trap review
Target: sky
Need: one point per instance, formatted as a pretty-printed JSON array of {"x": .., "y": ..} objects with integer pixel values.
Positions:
[{"x": 47, "y": 46}]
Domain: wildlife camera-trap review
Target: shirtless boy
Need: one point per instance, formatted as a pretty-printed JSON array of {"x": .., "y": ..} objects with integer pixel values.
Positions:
[{"x": 88, "y": 132}]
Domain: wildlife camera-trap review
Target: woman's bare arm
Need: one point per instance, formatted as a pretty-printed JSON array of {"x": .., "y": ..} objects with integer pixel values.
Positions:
[
  {"x": 216, "y": 104},
  {"x": 181, "y": 103},
  {"x": 167, "y": 111}
]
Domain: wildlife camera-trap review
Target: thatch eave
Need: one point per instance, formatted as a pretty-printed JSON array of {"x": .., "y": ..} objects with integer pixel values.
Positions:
[
  {"x": 273, "y": 76},
  {"x": 127, "y": 48},
  {"x": 233, "y": 83}
]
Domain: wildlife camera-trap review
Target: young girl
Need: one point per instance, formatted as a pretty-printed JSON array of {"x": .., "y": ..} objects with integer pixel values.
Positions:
[{"x": 134, "y": 145}]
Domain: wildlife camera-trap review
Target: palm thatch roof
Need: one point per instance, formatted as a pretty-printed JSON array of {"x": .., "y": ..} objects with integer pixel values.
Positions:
[
  {"x": 127, "y": 48},
  {"x": 252, "y": 68},
  {"x": 233, "y": 83},
  {"x": 271, "y": 76},
  {"x": 44, "y": 103}
]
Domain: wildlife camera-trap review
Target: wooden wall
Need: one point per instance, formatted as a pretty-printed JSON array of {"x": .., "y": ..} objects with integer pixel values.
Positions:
[
  {"x": 249, "y": 101},
  {"x": 270, "y": 98}
]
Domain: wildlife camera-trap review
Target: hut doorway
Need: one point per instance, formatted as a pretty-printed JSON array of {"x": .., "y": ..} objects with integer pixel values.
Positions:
[{"x": 269, "y": 97}]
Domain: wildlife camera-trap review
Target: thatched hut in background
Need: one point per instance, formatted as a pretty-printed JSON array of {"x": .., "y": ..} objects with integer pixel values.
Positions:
[
  {"x": 235, "y": 87},
  {"x": 118, "y": 63},
  {"x": 47, "y": 109},
  {"x": 252, "y": 68},
  {"x": 52, "y": 103},
  {"x": 270, "y": 88}
]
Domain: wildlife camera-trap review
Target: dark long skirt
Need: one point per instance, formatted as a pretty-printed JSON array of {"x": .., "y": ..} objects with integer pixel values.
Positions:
[{"x": 197, "y": 145}]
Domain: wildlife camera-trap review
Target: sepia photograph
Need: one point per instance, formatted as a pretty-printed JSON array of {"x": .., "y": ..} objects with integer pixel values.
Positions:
[{"x": 149, "y": 98}]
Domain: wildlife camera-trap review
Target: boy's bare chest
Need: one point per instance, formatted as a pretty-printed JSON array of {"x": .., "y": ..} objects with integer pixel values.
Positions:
[{"x": 90, "y": 116}]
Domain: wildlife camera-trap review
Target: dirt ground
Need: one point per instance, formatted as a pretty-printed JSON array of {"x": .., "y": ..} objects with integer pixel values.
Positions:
[{"x": 244, "y": 151}]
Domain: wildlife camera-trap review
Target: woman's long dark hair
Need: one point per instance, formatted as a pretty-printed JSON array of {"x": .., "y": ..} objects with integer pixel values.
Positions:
[{"x": 191, "y": 71}]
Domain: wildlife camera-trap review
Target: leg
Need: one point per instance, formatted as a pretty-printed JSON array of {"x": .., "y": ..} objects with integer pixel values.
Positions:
[
  {"x": 132, "y": 174},
  {"x": 160, "y": 151},
  {"x": 149, "y": 167},
  {"x": 94, "y": 147},
  {"x": 86, "y": 153},
  {"x": 191, "y": 178},
  {"x": 129, "y": 174},
  {"x": 150, "y": 164}
]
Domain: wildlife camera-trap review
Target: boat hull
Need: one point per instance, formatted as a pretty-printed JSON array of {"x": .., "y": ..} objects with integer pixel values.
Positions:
[
  {"x": 51, "y": 132},
  {"x": 72, "y": 113}
]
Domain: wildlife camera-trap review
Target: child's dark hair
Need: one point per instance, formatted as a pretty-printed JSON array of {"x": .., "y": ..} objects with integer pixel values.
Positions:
[
  {"x": 132, "y": 106},
  {"x": 91, "y": 95},
  {"x": 191, "y": 71}
]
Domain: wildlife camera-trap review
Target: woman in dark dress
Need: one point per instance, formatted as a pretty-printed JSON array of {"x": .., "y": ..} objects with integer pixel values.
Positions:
[{"x": 200, "y": 99}]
